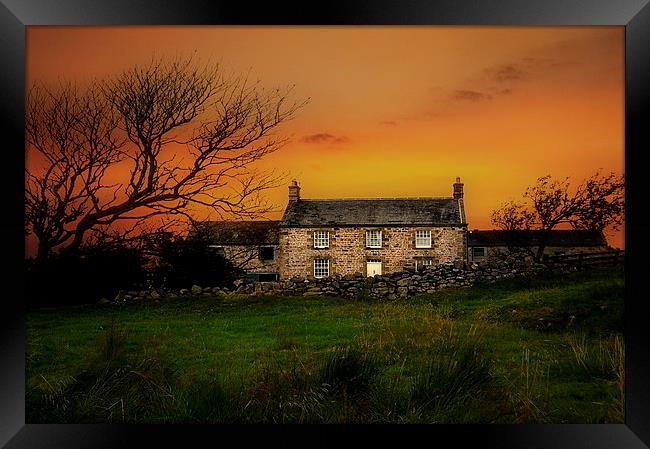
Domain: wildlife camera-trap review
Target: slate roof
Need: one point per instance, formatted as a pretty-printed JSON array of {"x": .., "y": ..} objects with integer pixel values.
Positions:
[
  {"x": 243, "y": 232},
  {"x": 374, "y": 212},
  {"x": 559, "y": 237}
]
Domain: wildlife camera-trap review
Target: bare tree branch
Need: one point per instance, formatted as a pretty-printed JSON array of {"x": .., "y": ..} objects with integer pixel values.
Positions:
[{"x": 186, "y": 135}]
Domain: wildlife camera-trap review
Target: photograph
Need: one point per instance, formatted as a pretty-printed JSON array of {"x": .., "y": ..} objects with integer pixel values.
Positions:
[{"x": 247, "y": 224}]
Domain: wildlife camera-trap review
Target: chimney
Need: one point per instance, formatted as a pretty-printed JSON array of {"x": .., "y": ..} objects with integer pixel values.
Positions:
[
  {"x": 294, "y": 192},
  {"x": 458, "y": 189}
]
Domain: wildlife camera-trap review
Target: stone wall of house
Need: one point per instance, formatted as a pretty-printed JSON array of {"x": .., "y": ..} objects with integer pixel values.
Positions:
[
  {"x": 496, "y": 254},
  {"x": 247, "y": 257},
  {"x": 348, "y": 254}
]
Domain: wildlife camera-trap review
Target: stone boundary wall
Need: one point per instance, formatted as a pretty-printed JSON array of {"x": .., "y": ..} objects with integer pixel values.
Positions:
[
  {"x": 393, "y": 286},
  {"x": 403, "y": 284}
]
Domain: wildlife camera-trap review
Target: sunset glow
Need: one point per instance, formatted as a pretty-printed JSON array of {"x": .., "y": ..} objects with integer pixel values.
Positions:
[{"x": 400, "y": 111}]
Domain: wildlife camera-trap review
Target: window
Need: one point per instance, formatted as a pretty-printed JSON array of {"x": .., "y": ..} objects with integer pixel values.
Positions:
[
  {"x": 261, "y": 277},
  {"x": 268, "y": 277},
  {"x": 218, "y": 250},
  {"x": 478, "y": 252},
  {"x": 373, "y": 239},
  {"x": 421, "y": 263},
  {"x": 321, "y": 268},
  {"x": 423, "y": 239},
  {"x": 266, "y": 253},
  {"x": 321, "y": 239}
]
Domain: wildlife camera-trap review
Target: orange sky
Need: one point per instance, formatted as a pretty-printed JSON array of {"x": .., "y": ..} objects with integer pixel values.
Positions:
[{"x": 401, "y": 111}]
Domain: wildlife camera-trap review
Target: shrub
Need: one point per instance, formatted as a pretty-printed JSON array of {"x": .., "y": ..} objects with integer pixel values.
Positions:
[
  {"x": 604, "y": 359},
  {"x": 117, "y": 385},
  {"x": 457, "y": 371},
  {"x": 283, "y": 395},
  {"x": 348, "y": 371},
  {"x": 184, "y": 261},
  {"x": 84, "y": 277},
  {"x": 207, "y": 403},
  {"x": 527, "y": 391}
]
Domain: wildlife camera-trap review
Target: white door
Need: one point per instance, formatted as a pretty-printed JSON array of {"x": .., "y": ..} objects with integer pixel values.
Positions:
[{"x": 373, "y": 267}]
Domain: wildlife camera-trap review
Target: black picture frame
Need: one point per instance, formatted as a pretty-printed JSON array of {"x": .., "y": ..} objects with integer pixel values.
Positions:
[{"x": 15, "y": 15}]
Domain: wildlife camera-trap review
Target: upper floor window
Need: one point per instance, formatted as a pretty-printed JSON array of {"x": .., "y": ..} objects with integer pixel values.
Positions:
[
  {"x": 423, "y": 239},
  {"x": 321, "y": 268},
  {"x": 321, "y": 239},
  {"x": 373, "y": 239},
  {"x": 266, "y": 253}
]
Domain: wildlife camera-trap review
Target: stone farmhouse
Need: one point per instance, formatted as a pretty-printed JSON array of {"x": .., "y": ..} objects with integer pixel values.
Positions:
[
  {"x": 373, "y": 236},
  {"x": 370, "y": 236}
]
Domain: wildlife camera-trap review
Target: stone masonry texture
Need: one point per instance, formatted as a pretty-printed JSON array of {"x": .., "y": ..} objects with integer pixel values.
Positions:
[{"x": 348, "y": 254}]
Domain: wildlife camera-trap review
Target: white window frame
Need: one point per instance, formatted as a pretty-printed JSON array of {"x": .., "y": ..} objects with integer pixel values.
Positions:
[
  {"x": 324, "y": 265},
  {"x": 423, "y": 241},
  {"x": 421, "y": 263},
  {"x": 321, "y": 241},
  {"x": 369, "y": 239}
]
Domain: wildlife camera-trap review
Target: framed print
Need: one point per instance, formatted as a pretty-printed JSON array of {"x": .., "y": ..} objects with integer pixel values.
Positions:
[{"x": 361, "y": 215}]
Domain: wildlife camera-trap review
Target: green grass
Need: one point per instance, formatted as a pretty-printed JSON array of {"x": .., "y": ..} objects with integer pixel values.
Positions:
[{"x": 547, "y": 349}]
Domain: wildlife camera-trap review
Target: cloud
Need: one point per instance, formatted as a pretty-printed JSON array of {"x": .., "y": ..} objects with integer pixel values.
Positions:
[
  {"x": 507, "y": 73},
  {"x": 519, "y": 70},
  {"x": 320, "y": 138},
  {"x": 388, "y": 123},
  {"x": 470, "y": 95}
]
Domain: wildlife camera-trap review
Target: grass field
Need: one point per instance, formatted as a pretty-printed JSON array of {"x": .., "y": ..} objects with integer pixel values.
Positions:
[{"x": 543, "y": 350}]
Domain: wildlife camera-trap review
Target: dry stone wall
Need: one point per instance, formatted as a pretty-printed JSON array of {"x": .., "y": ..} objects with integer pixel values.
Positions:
[
  {"x": 392, "y": 286},
  {"x": 403, "y": 284}
]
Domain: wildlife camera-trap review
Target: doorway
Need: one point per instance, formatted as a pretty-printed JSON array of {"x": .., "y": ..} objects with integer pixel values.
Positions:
[{"x": 373, "y": 267}]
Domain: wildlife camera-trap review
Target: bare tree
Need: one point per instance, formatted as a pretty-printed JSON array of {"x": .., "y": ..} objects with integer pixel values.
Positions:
[
  {"x": 155, "y": 140},
  {"x": 512, "y": 216},
  {"x": 595, "y": 204}
]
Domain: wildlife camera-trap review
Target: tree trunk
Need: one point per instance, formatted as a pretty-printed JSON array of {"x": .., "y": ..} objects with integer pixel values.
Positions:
[
  {"x": 43, "y": 252},
  {"x": 542, "y": 245}
]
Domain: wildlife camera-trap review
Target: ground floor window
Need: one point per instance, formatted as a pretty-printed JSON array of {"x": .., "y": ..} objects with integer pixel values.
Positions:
[
  {"x": 218, "y": 250},
  {"x": 421, "y": 263},
  {"x": 478, "y": 251},
  {"x": 261, "y": 277},
  {"x": 321, "y": 268}
]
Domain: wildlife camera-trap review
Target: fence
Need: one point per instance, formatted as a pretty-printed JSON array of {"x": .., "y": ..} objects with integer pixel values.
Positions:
[{"x": 586, "y": 259}]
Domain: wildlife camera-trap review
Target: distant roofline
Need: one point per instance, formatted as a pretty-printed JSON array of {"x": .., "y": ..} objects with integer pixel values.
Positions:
[
  {"x": 376, "y": 225},
  {"x": 534, "y": 230},
  {"x": 499, "y": 237},
  {"x": 239, "y": 221},
  {"x": 380, "y": 199}
]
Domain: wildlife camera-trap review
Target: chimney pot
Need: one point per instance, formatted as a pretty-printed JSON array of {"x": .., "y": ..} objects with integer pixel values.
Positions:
[
  {"x": 294, "y": 192},
  {"x": 458, "y": 189}
]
